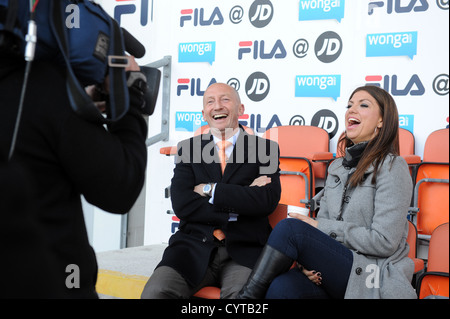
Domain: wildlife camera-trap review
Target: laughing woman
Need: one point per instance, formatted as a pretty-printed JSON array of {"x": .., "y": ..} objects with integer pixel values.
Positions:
[{"x": 356, "y": 247}]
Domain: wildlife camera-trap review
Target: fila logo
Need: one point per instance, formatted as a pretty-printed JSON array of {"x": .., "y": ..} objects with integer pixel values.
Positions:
[
  {"x": 396, "y": 5},
  {"x": 258, "y": 47},
  {"x": 390, "y": 83},
  {"x": 119, "y": 10},
  {"x": 197, "y": 16},
  {"x": 193, "y": 86}
]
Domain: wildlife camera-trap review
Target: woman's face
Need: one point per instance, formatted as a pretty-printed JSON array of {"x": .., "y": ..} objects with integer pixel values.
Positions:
[{"x": 363, "y": 117}]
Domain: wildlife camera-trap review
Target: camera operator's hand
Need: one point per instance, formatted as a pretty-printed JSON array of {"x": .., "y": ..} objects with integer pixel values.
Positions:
[
  {"x": 136, "y": 82},
  {"x": 97, "y": 96},
  {"x": 137, "y": 85}
]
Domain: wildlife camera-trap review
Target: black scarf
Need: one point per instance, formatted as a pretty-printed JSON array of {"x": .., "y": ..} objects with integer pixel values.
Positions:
[{"x": 353, "y": 154}]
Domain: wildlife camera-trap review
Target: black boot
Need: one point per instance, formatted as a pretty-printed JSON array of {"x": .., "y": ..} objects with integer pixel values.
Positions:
[{"x": 270, "y": 264}]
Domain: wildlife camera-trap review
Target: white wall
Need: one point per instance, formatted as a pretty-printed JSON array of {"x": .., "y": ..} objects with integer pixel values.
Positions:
[{"x": 422, "y": 110}]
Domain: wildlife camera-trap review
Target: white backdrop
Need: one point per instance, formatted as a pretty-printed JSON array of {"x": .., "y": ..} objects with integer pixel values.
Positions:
[{"x": 293, "y": 62}]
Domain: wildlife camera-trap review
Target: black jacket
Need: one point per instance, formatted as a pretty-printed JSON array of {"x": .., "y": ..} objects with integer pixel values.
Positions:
[
  {"x": 65, "y": 157},
  {"x": 190, "y": 247}
]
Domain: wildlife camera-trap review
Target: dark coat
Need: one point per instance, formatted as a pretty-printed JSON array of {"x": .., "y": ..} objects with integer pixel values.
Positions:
[
  {"x": 64, "y": 157},
  {"x": 191, "y": 246}
]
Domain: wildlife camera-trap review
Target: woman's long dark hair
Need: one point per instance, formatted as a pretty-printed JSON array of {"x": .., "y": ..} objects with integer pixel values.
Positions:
[{"x": 384, "y": 143}]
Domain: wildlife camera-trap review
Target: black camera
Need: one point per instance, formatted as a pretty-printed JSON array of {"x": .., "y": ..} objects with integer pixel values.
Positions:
[{"x": 89, "y": 52}]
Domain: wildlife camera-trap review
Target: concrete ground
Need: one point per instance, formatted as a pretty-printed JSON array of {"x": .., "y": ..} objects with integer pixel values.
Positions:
[{"x": 123, "y": 273}]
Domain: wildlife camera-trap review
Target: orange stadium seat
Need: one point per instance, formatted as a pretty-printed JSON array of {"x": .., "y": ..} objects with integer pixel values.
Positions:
[
  {"x": 407, "y": 146},
  {"x": 434, "y": 282},
  {"x": 304, "y": 154},
  {"x": 431, "y": 197},
  {"x": 419, "y": 264}
]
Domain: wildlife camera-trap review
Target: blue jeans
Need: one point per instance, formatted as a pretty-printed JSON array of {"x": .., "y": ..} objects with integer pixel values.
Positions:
[{"x": 314, "y": 250}]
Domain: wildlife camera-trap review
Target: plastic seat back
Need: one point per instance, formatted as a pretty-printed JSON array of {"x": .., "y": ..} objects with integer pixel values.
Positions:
[
  {"x": 435, "y": 281},
  {"x": 436, "y": 147},
  {"x": 407, "y": 148},
  {"x": 431, "y": 195},
  {"x": 412, "y": 243},
  {"x": 438, "y": 253},
  {"x": 406, "y": 141},
  {"x": 301, "y": 141},
  {"x": 297, "y": 181},
  {"x": 300, "y": 148}
]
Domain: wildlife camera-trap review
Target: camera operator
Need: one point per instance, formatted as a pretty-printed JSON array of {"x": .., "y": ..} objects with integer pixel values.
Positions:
[{"x": 64, "y": 157}]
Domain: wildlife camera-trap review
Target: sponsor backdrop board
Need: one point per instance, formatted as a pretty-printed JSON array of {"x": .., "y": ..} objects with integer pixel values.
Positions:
[{"x": 294, "y": 62}]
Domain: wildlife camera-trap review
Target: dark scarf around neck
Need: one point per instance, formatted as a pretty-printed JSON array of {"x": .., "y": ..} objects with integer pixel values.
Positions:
[{"x": 353, "y": 154}]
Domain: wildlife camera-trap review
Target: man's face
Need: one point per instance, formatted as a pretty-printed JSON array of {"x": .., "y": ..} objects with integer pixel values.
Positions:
[{"x": 222, "y": 108}]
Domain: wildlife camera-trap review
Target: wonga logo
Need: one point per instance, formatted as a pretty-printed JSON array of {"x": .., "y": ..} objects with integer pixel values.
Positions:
[
  {"x": 390, "y": 84},
  {"x": 121, "y": 9},
  {"x": 406, "y": 121},
  {"x": 392, "y": 44},
  {"x": 321, "y": 10},
  {"x": 188, "y": 121},
  {"x": 197, "y": 17},
  {"x": 197, "y": 52},
  {"x": 318, "y": 86}
]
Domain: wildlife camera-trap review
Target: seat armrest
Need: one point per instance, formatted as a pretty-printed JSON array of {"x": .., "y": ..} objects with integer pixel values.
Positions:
[
  {"x": 320, "y": 156},
  {"x": 169, "y": 150},
  {"x": 412, "y": 159}
]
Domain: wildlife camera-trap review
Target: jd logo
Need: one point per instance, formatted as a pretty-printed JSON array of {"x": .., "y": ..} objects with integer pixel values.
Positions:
[
  {"x": 328, "y": 47},
  {"x": 257, "y": 86},
  {"x": 327, "y": 120},
  {"x": 261, "y": 13}
]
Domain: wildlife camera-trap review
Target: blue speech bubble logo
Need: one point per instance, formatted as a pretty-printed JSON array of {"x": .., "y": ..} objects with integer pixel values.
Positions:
[
  {"x": 321, "y": 10},
  {"x": 392, "y": 44},
  {"x": 188, "y": 121},
  {"x": 406, "y": 121},
  {"x": 197, "y": 52},
  {"x": 318, "y": 86}
]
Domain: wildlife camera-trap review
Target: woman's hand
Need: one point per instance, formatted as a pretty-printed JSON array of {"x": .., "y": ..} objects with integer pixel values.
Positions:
[{"x": 314, "y": 276}]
